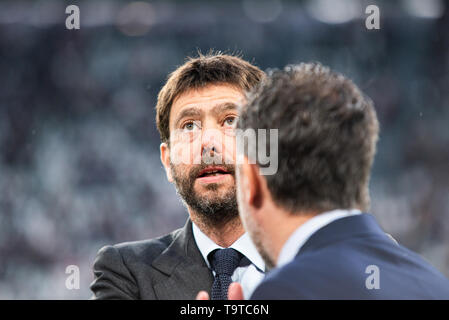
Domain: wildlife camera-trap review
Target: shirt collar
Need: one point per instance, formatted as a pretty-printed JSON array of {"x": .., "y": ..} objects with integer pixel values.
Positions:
[
  {"x": 305, "y": 231},
  {"x": 244, "y": 245}
]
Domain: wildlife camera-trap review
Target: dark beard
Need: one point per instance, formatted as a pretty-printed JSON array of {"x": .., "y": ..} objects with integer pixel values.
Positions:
[{"x": 215, "y": 211}]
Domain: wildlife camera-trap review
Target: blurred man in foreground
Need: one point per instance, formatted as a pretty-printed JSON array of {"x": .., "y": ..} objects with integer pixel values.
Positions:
[
  {"x": 196, "y": 118},
  {"x": 309, "y": 219}
]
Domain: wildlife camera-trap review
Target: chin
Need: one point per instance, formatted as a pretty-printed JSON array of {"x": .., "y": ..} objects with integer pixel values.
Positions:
[{"x": 215, "y": 188}]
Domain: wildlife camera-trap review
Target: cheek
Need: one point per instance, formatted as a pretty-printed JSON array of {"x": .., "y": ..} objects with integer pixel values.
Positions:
[
  {"x": 229, "y": 147},
  {"x": 180, "y": 171},
  {"x": 249, "y": 223},
  {"x": 243, "y": 209},
  {"x": 251, "y": 227},
  {"x": 186, "y": 153}
]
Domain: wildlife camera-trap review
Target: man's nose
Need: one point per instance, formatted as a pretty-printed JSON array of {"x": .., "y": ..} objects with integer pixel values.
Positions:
[
  {"x": 209, "y": 151},
  {"x": 211, "y": 142}
]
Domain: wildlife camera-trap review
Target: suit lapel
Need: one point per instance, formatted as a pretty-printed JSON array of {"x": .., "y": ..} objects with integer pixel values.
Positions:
[{"x": 185, "y": 270}]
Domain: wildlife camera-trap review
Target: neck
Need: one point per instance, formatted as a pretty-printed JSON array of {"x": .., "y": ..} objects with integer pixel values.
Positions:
[
  {"x": 224, "y": 234},
  {"x": 284, "y": 228}
]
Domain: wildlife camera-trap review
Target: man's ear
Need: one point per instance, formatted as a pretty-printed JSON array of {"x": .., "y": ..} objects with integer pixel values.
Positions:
[
  {"x": 165, "y": 159},
  {"x": 252, "y": 183}
]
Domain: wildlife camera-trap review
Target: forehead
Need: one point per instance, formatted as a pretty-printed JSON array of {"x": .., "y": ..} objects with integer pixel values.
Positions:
[{"x": 206, "y": 98}]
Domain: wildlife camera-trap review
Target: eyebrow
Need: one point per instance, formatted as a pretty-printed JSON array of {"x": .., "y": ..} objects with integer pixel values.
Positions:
[
  {"x": 223, "y": 107},
  {"x": 195, "y": 112},
  {"x": 189, "y": 112}
]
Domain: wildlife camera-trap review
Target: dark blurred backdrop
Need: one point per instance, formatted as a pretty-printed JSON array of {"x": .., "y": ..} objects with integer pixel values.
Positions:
[{"x": 79, "y": 149}]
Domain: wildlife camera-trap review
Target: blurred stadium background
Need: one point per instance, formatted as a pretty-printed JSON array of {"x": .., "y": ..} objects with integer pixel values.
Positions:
[{"x": 79, "y": 159}]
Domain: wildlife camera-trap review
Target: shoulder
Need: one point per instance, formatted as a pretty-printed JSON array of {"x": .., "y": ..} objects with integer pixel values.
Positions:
[
  {"x": 139, "y": 251},
  {"x": 285, "y": 283},
  {"x": 125, "y": 270},
  {"x": 344, "y": 270},
  {"x": 326, "y": 273}
]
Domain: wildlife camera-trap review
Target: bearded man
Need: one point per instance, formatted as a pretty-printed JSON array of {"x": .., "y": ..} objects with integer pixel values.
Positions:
[{"x": 196, "y": 118}]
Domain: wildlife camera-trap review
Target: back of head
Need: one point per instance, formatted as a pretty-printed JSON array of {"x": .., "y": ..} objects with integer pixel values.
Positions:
[{"x": 327, "y": 137}]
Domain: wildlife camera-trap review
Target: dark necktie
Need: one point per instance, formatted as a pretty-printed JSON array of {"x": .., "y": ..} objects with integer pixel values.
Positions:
[{"x": 223, "y": 262}]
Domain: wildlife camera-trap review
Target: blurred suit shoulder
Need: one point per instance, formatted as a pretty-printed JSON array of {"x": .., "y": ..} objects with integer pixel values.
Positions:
[
  {"x": 334, "y": 262},
  {"x": 167, "y": 267},
  {"x": 143, "y": 251}
]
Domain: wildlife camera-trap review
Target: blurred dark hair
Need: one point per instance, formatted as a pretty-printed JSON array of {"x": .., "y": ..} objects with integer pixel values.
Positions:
[
  {"x": 198, "y": 72},
  {"x": 327, "y": 137}
]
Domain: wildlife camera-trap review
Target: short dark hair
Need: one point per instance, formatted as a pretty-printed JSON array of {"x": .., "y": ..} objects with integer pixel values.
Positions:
[
  {"x": 197, "y": 72},
  {"x": 327, "y": 137}
]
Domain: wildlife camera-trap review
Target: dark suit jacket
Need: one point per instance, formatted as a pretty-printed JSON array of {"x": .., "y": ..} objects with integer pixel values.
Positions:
[
  {"x": 169, "y": 267},
  {"x": 332, "y": 265}
]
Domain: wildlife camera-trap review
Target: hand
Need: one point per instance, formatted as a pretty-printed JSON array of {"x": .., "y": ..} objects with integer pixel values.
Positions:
[
  {"x": 235, "y": 292},
  {"x": 202, "y": 295}
]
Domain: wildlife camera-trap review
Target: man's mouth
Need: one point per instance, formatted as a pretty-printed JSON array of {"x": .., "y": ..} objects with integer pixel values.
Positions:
[{"x": 212, "y": 174}]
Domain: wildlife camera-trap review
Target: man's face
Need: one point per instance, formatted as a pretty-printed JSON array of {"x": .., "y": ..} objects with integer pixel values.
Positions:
[
  {"x": 200, "y": 159},
  {"x": 248, "y": 218}
]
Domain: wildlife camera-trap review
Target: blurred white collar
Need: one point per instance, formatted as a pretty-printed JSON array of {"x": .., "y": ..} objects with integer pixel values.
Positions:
[{"x": 244, "y": 245}]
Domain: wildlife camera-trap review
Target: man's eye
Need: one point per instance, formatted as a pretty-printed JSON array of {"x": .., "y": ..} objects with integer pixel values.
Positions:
[
  {"x": 190, "y": 126},
  {"x": 230, "y": 121}
]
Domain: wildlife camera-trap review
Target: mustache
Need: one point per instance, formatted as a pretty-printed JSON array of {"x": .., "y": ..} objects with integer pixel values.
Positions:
[{"x": 195, "y": 171}]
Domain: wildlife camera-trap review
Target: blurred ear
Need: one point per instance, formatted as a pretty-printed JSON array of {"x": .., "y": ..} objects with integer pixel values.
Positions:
[
  {"x": 252, "y": 184},
  {"x": 165, "y": 159}
]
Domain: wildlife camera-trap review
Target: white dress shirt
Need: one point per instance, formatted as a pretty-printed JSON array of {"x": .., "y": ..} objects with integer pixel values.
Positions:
[
  {"x": 248, "y": 276},
  {"x": 305, "y": 231}
]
